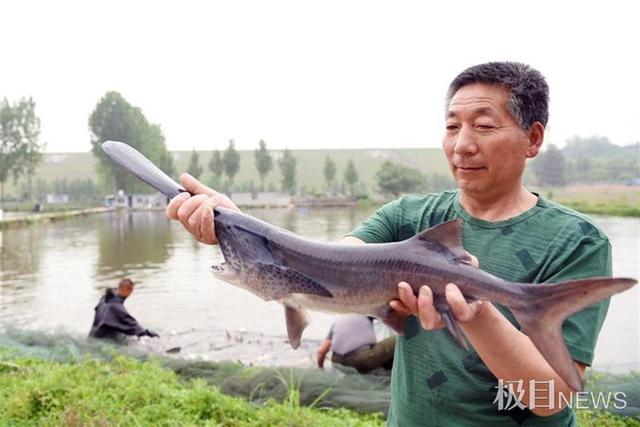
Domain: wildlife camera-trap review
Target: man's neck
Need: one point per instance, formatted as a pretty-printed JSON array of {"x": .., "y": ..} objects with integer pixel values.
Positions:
[{"x": 499, "y": 207}]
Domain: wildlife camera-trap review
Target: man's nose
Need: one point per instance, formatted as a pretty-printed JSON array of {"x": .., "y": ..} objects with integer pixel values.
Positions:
[{"x": 465, "y": 142}]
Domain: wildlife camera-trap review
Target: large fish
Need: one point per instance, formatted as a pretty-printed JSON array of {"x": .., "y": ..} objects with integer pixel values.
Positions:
[{"x": 276, "y": 264}]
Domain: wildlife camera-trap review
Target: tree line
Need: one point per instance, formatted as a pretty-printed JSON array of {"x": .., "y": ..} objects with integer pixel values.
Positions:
[
  {"x": 20, "y": 150},
  {"x": 227, "y": 164},
  {"x": 582, "y": 161},
  {"x": 115, "y": 119},
  {"x": 587, "y": 161}
]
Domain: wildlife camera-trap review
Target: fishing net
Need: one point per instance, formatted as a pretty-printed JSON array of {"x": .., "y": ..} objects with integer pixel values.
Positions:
[
  {"x": 345, "y": 388},
  {"x": 312, "y": 386}
]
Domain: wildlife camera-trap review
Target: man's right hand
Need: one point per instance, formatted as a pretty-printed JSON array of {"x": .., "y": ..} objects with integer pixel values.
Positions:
[{"x": 195, "y": 212}]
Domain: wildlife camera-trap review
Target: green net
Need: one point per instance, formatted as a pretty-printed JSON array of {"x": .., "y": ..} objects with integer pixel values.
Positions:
[{"x": 345, "y": 388}]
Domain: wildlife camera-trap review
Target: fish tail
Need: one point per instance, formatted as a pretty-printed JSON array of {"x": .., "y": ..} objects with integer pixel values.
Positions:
[{"x": 548, "y": 305}]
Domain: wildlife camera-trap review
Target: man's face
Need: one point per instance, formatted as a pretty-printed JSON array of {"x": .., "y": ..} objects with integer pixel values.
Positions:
[{"x": 484, "y": 145}]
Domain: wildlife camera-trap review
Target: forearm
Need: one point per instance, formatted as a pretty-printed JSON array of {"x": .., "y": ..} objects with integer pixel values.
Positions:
[
  {"x": 322, "y": 352},
  {"x": 511, "y": 356}
]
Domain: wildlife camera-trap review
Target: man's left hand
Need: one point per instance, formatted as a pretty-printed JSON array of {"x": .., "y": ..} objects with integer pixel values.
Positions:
[{"x": 423, "y": 308}]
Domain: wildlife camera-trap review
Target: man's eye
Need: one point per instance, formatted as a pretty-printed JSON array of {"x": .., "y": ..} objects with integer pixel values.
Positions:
[
  {"x": 452, "y": 127},
  {"x": 485, "y": 127}
]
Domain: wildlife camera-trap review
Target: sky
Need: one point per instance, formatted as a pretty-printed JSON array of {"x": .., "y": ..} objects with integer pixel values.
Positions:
[{"x": 303, "y": 74}]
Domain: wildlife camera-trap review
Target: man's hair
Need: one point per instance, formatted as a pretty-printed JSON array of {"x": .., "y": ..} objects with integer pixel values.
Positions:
[
  {"x": 125, "y": 282},
  {"x": 528, "y": 90}
]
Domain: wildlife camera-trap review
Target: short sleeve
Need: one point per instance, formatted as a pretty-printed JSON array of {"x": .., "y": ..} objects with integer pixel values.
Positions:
[
  {"x": 591, "y": 257},
  {"x": 330, "y": 334},
  {"x": 381, "y": 226}
]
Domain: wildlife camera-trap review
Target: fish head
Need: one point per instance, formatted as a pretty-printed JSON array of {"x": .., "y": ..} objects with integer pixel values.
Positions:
[
  {"x": 253, "y": 261},
  {"x": 245, "y": 247},
  {"x": 242, "y": 239}
]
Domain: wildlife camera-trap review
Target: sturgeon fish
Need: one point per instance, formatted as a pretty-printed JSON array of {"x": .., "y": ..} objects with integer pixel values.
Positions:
[{"x": 276, "y": 264}]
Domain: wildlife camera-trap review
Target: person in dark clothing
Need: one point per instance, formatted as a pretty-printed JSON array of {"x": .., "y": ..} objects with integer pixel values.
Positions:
[{"x": 112, "y": 321}]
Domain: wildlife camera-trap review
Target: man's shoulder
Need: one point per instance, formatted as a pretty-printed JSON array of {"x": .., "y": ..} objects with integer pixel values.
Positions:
[
  {"x": 421, "y": 202},
  {"x": 405, "y": 216},
  {"x": 564, "y": 221}
]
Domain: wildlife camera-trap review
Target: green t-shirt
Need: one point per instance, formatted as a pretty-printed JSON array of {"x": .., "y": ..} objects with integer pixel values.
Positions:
[{"x": 434, "y": 380}]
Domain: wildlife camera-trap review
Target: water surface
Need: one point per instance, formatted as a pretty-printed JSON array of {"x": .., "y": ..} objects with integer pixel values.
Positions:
[{"x": 52, "y": 275}]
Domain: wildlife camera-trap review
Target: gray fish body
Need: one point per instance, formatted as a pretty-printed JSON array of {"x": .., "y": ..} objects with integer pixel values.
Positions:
[
  {"x": 278, "y": 265},
  {"x": 360, "y": 278}
]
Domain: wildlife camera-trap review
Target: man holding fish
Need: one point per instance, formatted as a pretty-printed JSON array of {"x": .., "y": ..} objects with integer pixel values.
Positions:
[{"x": 495, "y": 120}]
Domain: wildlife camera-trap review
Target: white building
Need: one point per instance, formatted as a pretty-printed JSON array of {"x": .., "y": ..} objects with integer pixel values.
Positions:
[{"x": 136, "y": 201}]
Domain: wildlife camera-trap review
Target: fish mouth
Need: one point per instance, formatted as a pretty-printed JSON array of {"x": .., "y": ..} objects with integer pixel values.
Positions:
[
  {"x": 221, "y": 272},
  {"x": 219, "y": 268}
]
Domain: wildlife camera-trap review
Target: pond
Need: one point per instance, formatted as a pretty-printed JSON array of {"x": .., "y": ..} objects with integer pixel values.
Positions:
[{"x": 52, "y": 275}]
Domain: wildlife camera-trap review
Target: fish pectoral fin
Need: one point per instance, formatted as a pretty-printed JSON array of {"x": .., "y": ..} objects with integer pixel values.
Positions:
[
  {"x": 286, "y": 280},
  {"x": 297, "y": 320},
  {"x": 451, "y": 323}
]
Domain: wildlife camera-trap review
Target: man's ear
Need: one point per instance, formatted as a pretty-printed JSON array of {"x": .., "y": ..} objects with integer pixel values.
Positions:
[{"x": 536, "y": 136}]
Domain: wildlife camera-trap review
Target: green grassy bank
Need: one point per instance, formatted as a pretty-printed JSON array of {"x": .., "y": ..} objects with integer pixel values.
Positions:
[
  {"x": 616, "y": 200},
  {"x": 125, "y": 391}
]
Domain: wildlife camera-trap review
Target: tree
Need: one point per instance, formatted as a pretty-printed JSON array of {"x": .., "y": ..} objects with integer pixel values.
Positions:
[
  {"x": 549, "y": 168},
  {"x": 20, "y": 151},
  {"x": 194, "y": 168},
  {"x": 394, "y": 179},
  {"x": 329, "y": 172},
  {"x": 161, "y": 156},
  {"x": 231, "y": 162},
  {"x": 115, "y": 119},
  {"x": 583, "y": 170},
  {"x": 287, "y": 165},
  {"x": 9, "y": 145},
  {"x": 216, "y": 167},
  {"x": 264, "y": 162},
  {"x": 31, "y": 150},
  {"x": 351, "y": 176}
]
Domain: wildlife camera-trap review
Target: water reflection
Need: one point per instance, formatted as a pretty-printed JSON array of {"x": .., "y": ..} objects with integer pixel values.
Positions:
[
  {"x": 51, "y": 276},
  {"x": 20, "y": 252},
  {"x": 129, "y": 241}
]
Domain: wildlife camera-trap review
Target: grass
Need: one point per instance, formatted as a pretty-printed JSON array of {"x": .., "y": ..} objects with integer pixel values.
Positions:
[
  {"x": 618, "y": 200},
  {"x": 595, "y": 418},
  {"x": 124, "y": 391}
]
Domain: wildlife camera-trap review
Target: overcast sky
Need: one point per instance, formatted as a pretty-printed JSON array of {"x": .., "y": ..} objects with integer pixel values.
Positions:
[{"x": 324, "y": 74}]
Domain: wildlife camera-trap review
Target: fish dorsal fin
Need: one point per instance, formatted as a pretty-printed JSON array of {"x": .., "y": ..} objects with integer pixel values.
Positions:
[{"x": 447, "y": 237}]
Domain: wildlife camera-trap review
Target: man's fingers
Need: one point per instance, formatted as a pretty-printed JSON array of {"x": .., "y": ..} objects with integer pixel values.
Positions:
[
  {"x": 407, "y": 298},
  {"x": 461, "y": 309},
  {"x": 429, "y": 316},
  {"x": 188, "y": 209},
  {"x": 474, "y": 261},
  {"x": 172, "y": 208},
  {"x": 194, "y": 210},
  {"x": 194, "y": 186},
  {"x": 207, "y": 230},
  {"x": 399, "y": 307}
]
